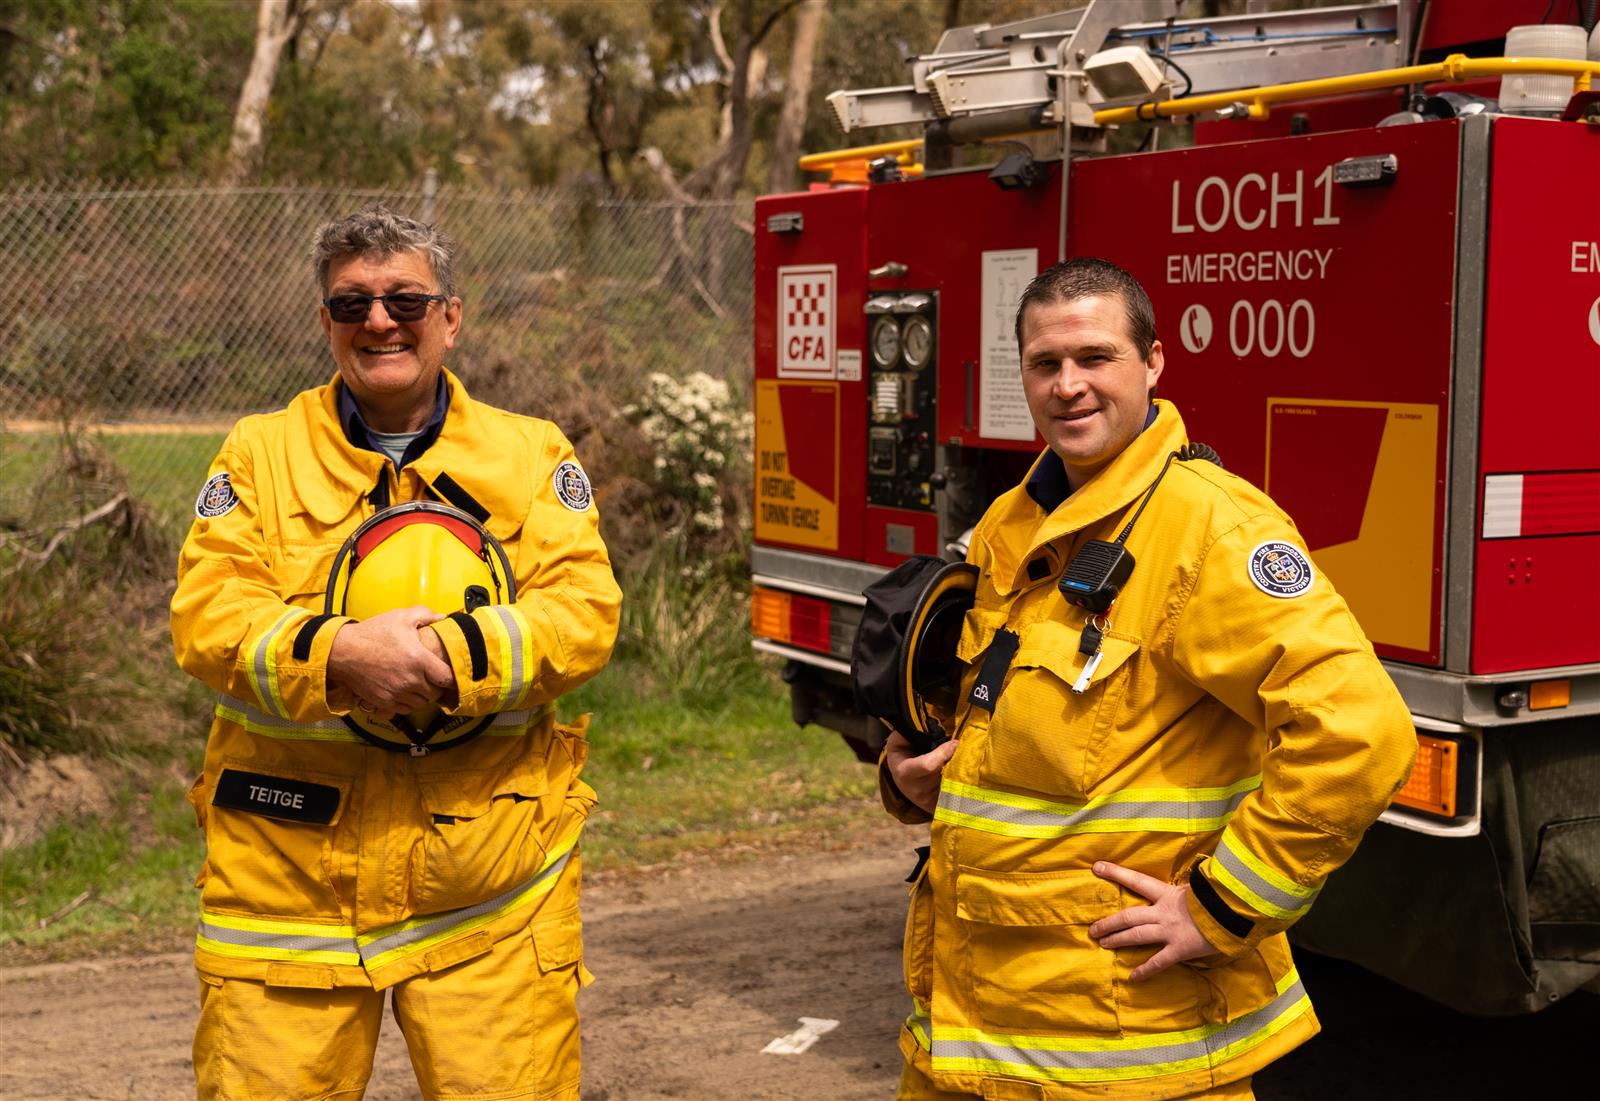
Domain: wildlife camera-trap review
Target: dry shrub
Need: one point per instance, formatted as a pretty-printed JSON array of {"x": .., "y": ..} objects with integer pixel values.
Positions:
[{"x": 82, "y": 591}]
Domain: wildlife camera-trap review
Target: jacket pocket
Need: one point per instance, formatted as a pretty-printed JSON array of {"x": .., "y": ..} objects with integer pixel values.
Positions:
[
  {"x": 917, "y": 950},
  {"x": 257, "y": 863},
  {"x": 482, "y": 837},
  {"x": 1243, "y": 985},
  {"x": 1042, "y": 730},
  {"x": 1032, "y": 965}
]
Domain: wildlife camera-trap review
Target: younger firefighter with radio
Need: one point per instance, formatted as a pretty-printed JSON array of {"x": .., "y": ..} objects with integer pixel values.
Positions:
[
  {"x": 1169, "y": 732},
  {"x": 389, "y": 585}
]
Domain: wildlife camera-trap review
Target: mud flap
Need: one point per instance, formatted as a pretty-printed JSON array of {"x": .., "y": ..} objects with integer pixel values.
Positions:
[{"x": 1502, "y": 923}]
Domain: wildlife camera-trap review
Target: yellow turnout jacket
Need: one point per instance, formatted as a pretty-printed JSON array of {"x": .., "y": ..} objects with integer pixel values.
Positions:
[
  {"x": 1237, "y": 735},
  {"x": 333, "y": 862}
]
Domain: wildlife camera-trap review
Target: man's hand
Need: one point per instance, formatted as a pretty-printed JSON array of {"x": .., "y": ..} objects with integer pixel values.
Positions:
[
  {"x": 917, "y": 777},
  {"x": 385, "y": 662},
  {"x": 1166, "y": 923}
]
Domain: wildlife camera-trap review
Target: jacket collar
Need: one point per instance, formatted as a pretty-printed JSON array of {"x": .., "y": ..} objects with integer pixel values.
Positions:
[
  {"x": 358, "y": 432},
  {"x": 1022, "y": 529},
  {"x": 333, "y": 487}
]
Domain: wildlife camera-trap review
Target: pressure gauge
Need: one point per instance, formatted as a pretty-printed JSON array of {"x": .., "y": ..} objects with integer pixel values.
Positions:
[
  {"x": 885, "y": 341},
  {"x": 918, "y": 339}
]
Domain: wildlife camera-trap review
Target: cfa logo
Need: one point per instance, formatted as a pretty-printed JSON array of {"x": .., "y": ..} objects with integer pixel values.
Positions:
[
  {"x": 1195, "y": 328},
  {"x": 806, "y": 321},
  {"x": 981, "y": 693}
]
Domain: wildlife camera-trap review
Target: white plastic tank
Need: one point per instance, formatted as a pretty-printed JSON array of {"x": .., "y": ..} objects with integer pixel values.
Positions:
[
  {"x": 1541, "y": 95},
  {"x": 1594, "y": 43}
]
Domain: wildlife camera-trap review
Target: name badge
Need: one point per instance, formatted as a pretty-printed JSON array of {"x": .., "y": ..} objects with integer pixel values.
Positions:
[{"x": 276, "y": 797}]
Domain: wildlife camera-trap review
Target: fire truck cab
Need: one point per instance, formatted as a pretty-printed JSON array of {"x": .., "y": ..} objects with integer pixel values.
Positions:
[{"x": 1376, "y": 273}]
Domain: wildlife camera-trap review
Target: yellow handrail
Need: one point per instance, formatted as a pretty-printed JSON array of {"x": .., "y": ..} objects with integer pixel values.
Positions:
[
  {"x": 816, "y": 162},
  {"x": 1454, "y": 69}
]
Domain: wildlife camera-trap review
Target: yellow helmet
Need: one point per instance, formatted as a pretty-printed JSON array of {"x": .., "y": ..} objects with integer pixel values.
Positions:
[{"x": 418, "y": 553}]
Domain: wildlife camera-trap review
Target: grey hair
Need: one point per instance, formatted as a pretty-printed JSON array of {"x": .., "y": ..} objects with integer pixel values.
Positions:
[{"x": 377, "y": 231}]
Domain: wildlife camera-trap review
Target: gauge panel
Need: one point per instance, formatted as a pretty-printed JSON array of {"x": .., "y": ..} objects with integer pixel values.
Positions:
[{"x": 903, "y": 337}]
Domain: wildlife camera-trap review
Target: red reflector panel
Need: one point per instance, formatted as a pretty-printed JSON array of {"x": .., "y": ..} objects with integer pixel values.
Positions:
[
  {"x": 809, "y": 623},
  {"x": 1560, "y": 503}
]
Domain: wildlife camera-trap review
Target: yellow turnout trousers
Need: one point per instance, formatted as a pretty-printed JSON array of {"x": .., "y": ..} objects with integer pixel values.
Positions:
[
  {"x": 915, "y": 1085},
  {"x": 518, "y": 1000}
]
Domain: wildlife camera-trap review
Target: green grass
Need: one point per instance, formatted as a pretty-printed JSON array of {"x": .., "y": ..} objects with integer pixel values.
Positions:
[
  {"x": 165, "y": 470},
  {"x": 675, "y": 776},
  {"x": 137, "y": 868},
  {"x": 676, "y": 773},
  {"x": 692, "y": 749}
]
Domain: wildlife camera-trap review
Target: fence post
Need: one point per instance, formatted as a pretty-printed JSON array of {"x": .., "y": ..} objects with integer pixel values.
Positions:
[{"x": 430, "y": 190}]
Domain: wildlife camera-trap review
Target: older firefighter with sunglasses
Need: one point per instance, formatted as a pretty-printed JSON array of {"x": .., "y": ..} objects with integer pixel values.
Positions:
[
  {"x": 1169, "y": 732},
  {"x": 389, "y": 585}
]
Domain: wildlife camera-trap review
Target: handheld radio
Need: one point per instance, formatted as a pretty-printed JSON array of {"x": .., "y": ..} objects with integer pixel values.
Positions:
[{"x": 1100, "y": 569}]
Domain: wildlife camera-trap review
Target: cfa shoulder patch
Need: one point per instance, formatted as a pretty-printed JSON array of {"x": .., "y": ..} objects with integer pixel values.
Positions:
[
  {"x": 572, "y": 487},
  {"x": 1280, "y": 569},
  {"x": 217, "y": 497}
]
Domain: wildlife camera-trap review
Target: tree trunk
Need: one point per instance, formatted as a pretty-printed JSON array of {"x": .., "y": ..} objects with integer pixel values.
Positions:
[
  {"x": 749, "y": 60},
  {"x": 796, "y": 95},
  {"x": 277, "y": 21},
  {"x": 600, "y": 113}
]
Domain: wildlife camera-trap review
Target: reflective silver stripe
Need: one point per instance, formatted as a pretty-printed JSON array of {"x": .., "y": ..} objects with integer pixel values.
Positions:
[
  {"x": 257, "y": 721},
  {"x": 920, "y": 1026},
  {"x": 1170, "y": 810},
  {"x": 253, "y": 719},
  {"x": 263, "y": 665},
  {"x": 286, "y": 945},
  {"x": 1246, "y": 875},
  {"x": 1099, "y": 1059},
  {"x": 513, "y": 688},
  {"x": 440, "y": 925}
]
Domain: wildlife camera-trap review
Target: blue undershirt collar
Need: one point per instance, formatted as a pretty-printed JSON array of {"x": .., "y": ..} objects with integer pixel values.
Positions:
[
  {"x": 1048, "y": 485},
  {"x": 358, "y": 433}
]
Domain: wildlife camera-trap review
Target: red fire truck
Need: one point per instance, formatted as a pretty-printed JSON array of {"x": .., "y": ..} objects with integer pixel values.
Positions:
[{"x": 1378, "y": 287}]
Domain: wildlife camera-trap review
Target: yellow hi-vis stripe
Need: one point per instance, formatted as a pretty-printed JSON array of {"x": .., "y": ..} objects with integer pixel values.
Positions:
[
  {"x": 1150, "y": 810},
  {"x": 918, "y": 1023},
  {"x": 241, "y": 714},
  {"x": 271, "y": 939},
  {"x": 1247, "y": 876},
  {"x": 264, "y": 662},
  {"x": 1112, "y": 1059},
  {"x": 407, "y": 938},
  {"x": 306, "y": 942}
]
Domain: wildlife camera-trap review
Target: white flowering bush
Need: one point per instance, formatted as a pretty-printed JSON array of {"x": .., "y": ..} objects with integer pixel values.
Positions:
[{"x": 700, "y": 441}]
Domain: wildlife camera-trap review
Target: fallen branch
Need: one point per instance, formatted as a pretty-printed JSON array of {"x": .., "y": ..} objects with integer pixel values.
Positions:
[
  {"x": 65, "y": 910},
  {"x": 62, "y": 530}
]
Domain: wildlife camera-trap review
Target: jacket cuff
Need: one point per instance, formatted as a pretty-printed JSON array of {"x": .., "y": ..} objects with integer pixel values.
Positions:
[
  {"x": 287, "y": 666},
  {"x": 313, "y": 643},
  {"x": 894, "y": 801},
  {"x": 468, "y": 653},
  {"x": 1229, "y": 926}
]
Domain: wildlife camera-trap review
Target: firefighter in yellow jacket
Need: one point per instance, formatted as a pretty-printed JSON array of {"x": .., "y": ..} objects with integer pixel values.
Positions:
[
  {"x": 337, "y": 870},
  {"x": 1139, "y": 801}
]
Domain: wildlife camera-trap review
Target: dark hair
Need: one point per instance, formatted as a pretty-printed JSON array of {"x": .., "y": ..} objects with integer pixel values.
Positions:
[
  {"x": 375, "y": 230},
  {"x": 1088, "y": 277}
]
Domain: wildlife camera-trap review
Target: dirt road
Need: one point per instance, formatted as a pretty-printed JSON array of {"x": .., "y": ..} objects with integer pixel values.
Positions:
[
  {"x": 702, "y": 966},
  {"x": 699, "y": 968}
]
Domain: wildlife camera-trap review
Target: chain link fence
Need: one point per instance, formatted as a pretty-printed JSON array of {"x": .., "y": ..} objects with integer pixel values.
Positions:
[{"x": 147, "y": 318}]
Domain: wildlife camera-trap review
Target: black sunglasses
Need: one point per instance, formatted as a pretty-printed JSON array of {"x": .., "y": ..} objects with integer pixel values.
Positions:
[{"x": 351, "y": 309}]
